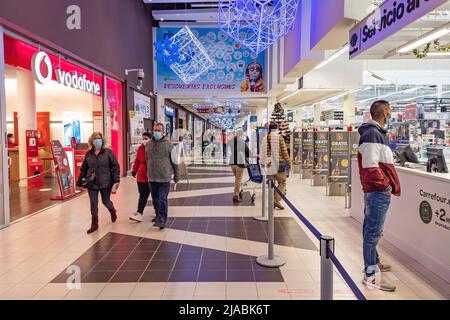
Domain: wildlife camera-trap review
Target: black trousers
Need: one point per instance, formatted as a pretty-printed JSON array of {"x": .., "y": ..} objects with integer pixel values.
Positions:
[
  {"x": 144, "y": 193},
  {"x": 106, "y": 200}
]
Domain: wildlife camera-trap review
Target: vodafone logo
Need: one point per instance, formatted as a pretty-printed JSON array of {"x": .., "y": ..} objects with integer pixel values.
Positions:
[
  {"x": 69, "y": 79},
  {"x": 39, "y": 58}
]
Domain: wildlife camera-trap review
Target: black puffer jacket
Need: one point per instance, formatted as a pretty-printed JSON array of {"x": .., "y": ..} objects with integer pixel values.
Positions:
[{"x": 105, "y": 167}]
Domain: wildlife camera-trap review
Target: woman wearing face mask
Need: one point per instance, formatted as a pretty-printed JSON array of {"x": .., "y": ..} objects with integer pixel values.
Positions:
[
  {"x": 99, "y": 173},
  {"x": 140, "y": 173}
]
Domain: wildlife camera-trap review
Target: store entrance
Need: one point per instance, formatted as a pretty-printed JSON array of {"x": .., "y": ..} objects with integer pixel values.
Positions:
[{"x": 37, "y": 116}]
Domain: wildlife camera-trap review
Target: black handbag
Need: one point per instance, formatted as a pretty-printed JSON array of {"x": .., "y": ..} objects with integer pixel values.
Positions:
[{"x": 88, "y": 182}]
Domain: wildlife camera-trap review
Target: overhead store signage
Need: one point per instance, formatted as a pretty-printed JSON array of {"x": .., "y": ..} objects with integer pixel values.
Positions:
[
  {"x": 388, "y": 18},
  {"x": 47, "y": 67},
  {"x": 236, "y": 69}
]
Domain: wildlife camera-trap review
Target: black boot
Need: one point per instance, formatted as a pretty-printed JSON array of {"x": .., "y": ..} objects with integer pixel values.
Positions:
[
  {"x": 94, "y": 225},
  {"x": 113, "y": 213}
]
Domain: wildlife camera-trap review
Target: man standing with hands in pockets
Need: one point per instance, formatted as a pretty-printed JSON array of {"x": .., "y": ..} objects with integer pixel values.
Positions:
[{"x": 161, "y": 165}]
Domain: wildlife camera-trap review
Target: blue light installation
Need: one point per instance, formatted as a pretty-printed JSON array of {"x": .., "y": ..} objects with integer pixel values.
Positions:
[
  {"x": 193, "y": 56},
  {"x": 257, "y": 24},
  {"x": 167, "y": 52}
]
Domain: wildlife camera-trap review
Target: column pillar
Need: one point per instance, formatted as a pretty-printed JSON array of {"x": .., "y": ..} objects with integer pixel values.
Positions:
[
  {"x": 349, "y": 109},
  {"x": 317, "y": 114},
  {"x": 26, "y": 106}
]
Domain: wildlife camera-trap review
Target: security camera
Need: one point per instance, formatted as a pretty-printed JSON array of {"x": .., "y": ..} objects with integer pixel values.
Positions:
[{"x": 140, "y": 75}]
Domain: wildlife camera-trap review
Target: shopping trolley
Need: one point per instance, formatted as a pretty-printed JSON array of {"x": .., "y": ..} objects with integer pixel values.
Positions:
[{"x": 255, "y": 178}]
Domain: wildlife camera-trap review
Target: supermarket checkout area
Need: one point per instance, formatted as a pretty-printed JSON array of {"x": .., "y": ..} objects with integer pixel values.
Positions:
[{"x": 418, "y": 222}]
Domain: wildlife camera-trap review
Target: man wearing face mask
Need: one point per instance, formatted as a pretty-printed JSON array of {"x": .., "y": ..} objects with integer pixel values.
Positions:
[
  {"x": 379, "y": 181},
  {"x": 161, "y": 165},
  {"x": 140, "y": 173}
]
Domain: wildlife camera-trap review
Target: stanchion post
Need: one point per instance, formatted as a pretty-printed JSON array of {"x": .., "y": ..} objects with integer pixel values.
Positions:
[
  {"x": 263, "y": 216},
  {"x": 326, "y": 268},
  {"x": 271, "y": 260}
]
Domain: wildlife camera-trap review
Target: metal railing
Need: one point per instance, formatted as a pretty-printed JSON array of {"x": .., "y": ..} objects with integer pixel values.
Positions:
[{"x": 326, "y": 245}]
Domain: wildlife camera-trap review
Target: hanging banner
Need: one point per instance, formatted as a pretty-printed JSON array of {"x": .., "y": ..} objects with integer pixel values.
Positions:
[
  {"x": 63, "y": 171},
  {"x": 236, "y": 69},
  {"x": 307, "y": 149},
  {"x": 321, "y": 150},
  {"x": 339, "y": 156}
]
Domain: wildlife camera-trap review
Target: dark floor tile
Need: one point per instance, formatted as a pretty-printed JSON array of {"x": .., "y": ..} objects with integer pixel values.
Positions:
[
  {"x": 239, "y": 265},
  {"x": 107, "y": 266},
  {"x": 134, "y": 265},
  {"x": 146, "y": 247},
  {"x": 147, "y": 241},
  {"x": 126, "y": 276},
  {"x": 116, "y": 256},
  {"x": 212, "y": 276},
  {"x": 129, "y": 240},
  {"x": 183, "y": 276},
  {"x": 214, "y": 225},
  {"x": 198, "y": 228},
  {"x": 161, "y": 265},
  {"x": 141, "y": 255},
  {"x": 237, "y": 235},
  {"x": 85, "y": 266},
  {"x": 217, "y": 219},
  {"x": 182, "y": 225},
  {"x": 268, "y": 276},
  {"x": 185, "y": 264},
  {"x": 64, "y": 276},
  {"x": 210, "y": 254},
  {"x": 165, "y": 255},
  {"x": 213, "y": 265},
  {"x": 183, "y": 219},
  {"x": 189, "y": 248},
  {"x": 155, "y": 276},
  {"x": 258, "y": 267},
  {"x": 169, "y": 246},
  {"x": 237, "y": 256},
  {"x": 240, "y": 276},
  {"x": 91, "y": 255},
  {"x": 124, "y": 247},
  {"x": 190, "y": 255},
  {"x": 95, "y": 277}
]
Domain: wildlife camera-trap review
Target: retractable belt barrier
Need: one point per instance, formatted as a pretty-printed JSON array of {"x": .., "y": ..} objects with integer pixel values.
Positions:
[{"x": 325, "y": 242}]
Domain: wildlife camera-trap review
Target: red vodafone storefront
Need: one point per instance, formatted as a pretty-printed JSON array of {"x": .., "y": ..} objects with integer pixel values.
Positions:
[{"x": 52, "y": 104}]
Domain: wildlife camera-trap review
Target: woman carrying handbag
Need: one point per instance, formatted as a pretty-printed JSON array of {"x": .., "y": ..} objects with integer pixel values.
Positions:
[{"x": 99, "y": 173}]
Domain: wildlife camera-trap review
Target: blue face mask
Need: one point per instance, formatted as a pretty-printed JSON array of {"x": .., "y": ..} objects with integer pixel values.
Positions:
[
  {"x": 157, "y": 135},
  {"x": 98, "y": 143}
]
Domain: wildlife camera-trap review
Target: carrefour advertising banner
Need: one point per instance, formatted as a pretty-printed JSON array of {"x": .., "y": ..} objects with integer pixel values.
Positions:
[{"x": 236, "y": 69}]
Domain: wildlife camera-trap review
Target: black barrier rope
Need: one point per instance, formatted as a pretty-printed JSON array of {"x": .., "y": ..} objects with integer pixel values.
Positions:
[{"x": 359, "y": 295}]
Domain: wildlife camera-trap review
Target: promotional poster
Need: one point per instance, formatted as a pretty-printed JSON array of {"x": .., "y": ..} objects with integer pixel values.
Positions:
[
  {"x": 307, "y": 149},
  {"x": 142, "y": 104},
  {"x": 236, "y": 69},
  {"x": 297, "y": 153},
  {"x": 64, "y": 174},
  {"x": 72, "y": 127},
  {"x": 339, "y": 156},
  {"x": 321, "y": 151}
]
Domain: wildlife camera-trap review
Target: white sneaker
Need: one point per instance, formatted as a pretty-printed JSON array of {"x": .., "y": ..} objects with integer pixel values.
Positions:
[
  {"x": 377, "y": 282},
  {"x": 136, "y": 217}
]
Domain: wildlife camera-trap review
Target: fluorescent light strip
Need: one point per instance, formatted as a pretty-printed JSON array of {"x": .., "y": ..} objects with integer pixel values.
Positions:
[
  {"x": 429, "y": 37},
  {"x": 438, "y": 54},
  {"x": 393, "y": 94},
  {"x": 334, "y": 56},
  {"x": 423, "y": 96}
]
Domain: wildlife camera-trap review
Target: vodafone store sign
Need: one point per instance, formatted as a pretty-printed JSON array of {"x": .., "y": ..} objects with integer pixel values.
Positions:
[{"x": 47, "y": 67}]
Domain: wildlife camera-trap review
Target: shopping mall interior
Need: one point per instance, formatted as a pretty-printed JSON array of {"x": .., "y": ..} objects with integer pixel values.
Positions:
[{"x": 208, "y": 73}]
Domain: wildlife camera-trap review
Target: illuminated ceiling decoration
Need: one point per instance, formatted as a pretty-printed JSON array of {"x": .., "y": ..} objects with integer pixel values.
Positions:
[
  {"x": 257, "y": 24},
  {"x": 192, "y": 58}
]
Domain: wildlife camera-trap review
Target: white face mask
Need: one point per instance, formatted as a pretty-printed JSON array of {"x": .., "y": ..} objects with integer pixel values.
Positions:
[{"x": 145, "y": 141}]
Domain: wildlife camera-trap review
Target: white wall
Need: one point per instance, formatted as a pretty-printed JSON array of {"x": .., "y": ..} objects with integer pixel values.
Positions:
[{"x": 58, "y": 100}]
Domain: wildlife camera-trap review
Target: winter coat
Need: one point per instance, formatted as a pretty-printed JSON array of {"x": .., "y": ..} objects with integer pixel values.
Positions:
[
  {"x": 375, "y": 160},
  {"x": 160, "y": 166},
  {"x": 238, "y": 152},
  {"x": 104, "y": 165},
  {"x": 140, "y": 165}
]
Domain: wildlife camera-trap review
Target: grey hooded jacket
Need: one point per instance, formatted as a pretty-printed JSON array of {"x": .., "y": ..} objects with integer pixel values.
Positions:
[{"x": 159, "y": 161}]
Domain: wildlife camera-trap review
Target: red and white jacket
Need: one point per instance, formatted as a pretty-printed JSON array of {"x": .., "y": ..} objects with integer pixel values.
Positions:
[
  {"x": 140, "y": 165},
  {"x": 375, "y": 160}
]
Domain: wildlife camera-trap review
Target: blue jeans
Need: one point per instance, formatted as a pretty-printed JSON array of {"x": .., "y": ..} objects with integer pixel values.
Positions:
[
  {"x": 376, "y": 207},
  {"x": 160, "y": 192}
]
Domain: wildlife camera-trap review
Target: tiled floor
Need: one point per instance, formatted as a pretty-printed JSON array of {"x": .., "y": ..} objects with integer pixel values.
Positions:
[
  {"x": 35, "y": 251},
  {"x": 287, "y": 231},
  {"x": 123, "y": 258},
  {"x": 215, "y": 200}
]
